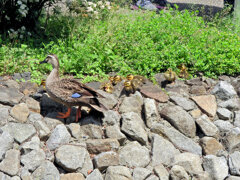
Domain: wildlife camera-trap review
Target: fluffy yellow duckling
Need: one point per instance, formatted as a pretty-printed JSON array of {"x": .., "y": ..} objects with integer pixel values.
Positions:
[
  {"x": 138, "y": 77},
  {"x": 107, "y": 87},
  {"x": 170, "y": 75},
  {"x": 132, "y": 86},
  {"x": 117, "y": 79},
  {"x": 183, "y": 71}
]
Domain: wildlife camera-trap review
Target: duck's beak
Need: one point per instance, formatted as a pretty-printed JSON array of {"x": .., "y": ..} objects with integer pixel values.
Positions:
[{"x": 44, "y": 61}]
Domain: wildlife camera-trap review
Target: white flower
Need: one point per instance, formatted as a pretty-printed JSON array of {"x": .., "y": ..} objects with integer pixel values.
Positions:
[
  {"x": 21, "y": 36},
  {"x": 19, "y": 2},
  {"x": 102, "y": 6},
  {"x": 109, "y": 7},
  {"x": 90, "y": 3},
  {"x": 89, "y": 9},
  {"x": 95, "y": 12},
  {"x": 99, "y": 3},
  {"x": 7, "y": 18},
  {"x": 94, "y": 5},
  {"x": 23, "y": 28},
  {"x": 107, "y": 3}
]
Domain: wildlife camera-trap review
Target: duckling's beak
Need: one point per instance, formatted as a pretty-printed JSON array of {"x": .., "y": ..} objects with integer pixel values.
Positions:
[{"x": 44, "y": 61}]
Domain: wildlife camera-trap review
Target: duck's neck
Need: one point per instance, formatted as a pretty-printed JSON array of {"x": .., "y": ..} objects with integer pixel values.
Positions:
[{"x": 53, "y": 76}]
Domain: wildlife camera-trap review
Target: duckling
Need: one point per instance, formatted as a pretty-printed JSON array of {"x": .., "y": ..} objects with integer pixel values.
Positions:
[
  {"x": 117, "y": 79},
  {"x": 170, "y": 75},
  {"x": 183, "y": 71},
  {"x": 140, "y": 78},
  {"x": 132, "y": 86},
  {"x": 111, "y": 78},
  {"x": 128, "y": 87},
  {"x": 43, "y": 83},
  {"x": 107, "y": 87}
]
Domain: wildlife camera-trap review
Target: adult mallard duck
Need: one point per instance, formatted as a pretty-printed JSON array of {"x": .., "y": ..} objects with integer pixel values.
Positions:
[{"x": 69, "y": 91}]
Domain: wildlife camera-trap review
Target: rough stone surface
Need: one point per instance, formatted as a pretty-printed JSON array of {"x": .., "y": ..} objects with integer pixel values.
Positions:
[
  {"x": 6, "y": 143},
  {"x": 11, "y": 163},
  {"x": 10, "y": 96},
  {"x": 75, "y": 130},
  {"x": 20, "y": 132},
  {"x": 232, "y": 139},
  {"x": 198, "y": 90},
  {"x": 224, "y": 114},
  {"x": 192, "y": 163},
  {"x": 105, "y": 159},
  {"x": 161, "y": 172},
  {"x": 180, "y": 119},
  {"x": 150, "y": 111},
  {"x": 132, "y": 104},
  {"x": 207, "y": 126},
  {"x": 223, "y": 126},
  {"x": 178, "y": 139},
  {"x": 115, "y": 133},
  {"x": 152, "y": 177},
  {"x": 46, "y": 171},
  {"x": 237, "y": 118},
  {"x": 207, "y": 103},
  {"x": 234, "y": 163},
  {"x": 95, "y": 175},
  {"x": 96, "y": 146},
  {"x": 233, "y": 178},
  {"x": 118, "y": 173},
  {"x": 33, "y": 159},
  {"x": 231, "y": 104},
  {"x": 133, "y": 126},
  {"x": 59, "y": 136},
  {"x": 178, "y": 173},
  {"x": 196, "y": 113},
  {"x": 4, "y": 114},
  {"x": 91, "y": 131},
  {"x": 109, "y": 100},
  {"x": 210, "y": 145},
  {"x": 87, "y": 165},
  {"x": 42, "y": 129},
  {"x": 224, "y": 91},
  {"x": 141, "y": 173},
  {"x": 134, "y": 155},
  {"x": 215, "y": 166},
  {"x": 20, "y": 112},
  {"x": 162, "y": 151},
  {"x": 33, "y": 144},
  {"x": 72, "y": 176},
  {"x": 33, "y": 105},
  {"x": 33, "y": 117},
  {"x": 111, "y": 118},
  {"x": 70, "y": 157},
  {"x": 183, "y": 102}
]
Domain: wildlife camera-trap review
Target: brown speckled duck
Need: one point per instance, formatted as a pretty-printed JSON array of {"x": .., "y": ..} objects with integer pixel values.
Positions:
[{"x": 69, "y": 91}]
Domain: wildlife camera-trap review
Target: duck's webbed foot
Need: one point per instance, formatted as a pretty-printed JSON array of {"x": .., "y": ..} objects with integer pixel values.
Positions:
[{"x": 64, "y": 115}]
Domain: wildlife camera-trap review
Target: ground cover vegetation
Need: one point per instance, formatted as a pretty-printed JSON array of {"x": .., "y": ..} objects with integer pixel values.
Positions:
[{"x": 98, "y": 38}]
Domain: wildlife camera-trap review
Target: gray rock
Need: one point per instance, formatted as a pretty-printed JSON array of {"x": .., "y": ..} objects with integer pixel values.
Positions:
[
  {"x": 34, "y": 144},
  {"x": 201, "y": 176},
  {"x": 192, "y": 163},
  {"x": 198, "y": 90},
  {"x": 33, "y": 105},
  {"x": 237, "y": 118},
  {"x": 133, "y": 126},
  {"x": 96, "y": 146},
  {"x": 46, "y": 171},
  {"x": 178, "y": 173},
  {"x": 224, "y": 91},
  {"x": 105, "y": 159},
  {"x": 118, "y": 173},
  {"x": 215, "y": 166},
  {"x": 132, "y": 104},
  {"x": 141, "y": 173},
  {"x": 75, "y": 130},
  {"x": 70, "y": 157},
  {"x": 87, "y": 165},
  {"x": 207, "y": 126},
  {"x": 231, "y": 104},
  {"x": 179, "y": 140},
  {"x": 233, "y": 178},
  {"x": 180, "y": 119},
  {"x": 151, "y": 112},
  {"x": 33, "y": 159},
  {"x": 4, "y": 115},
  {"x": 91, "y": 131},
  {"x": 72, "y": 176},
  {"x": 51, "y": 122},
  {"x": 6, "y": 141},
  {"x": 11, "y": 163},
  {"x": 152, "y": 177},
  {"x": 4, "y": 176},
  {"x": 42, "y": 129},
  {"x": 20, "y": 132},
  {"x": 33, "y": 117},
  {"x": 109, "y": 100},
  {"x": 223, "y": 126},
  {"x": 10, "y": 96},
  {"x": 232, "y": 139},
  {"x": 115, "y": 133},
  {"x": 224, "y": 114},
  {"x": 210, "y": 145},
  {"x": 134, "y": 155},
  {"x": 161, "y": 172},
  {"x": 183, "y": 102},
  {"x": 95, "y": 175},
  {"x": 111, "y": 118},
  {"x": 11, "y": 84},
  {"x": 162, "y": 151},
  {"x": 234, "y": 163},
  {"x": 59, "y": 136}
]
